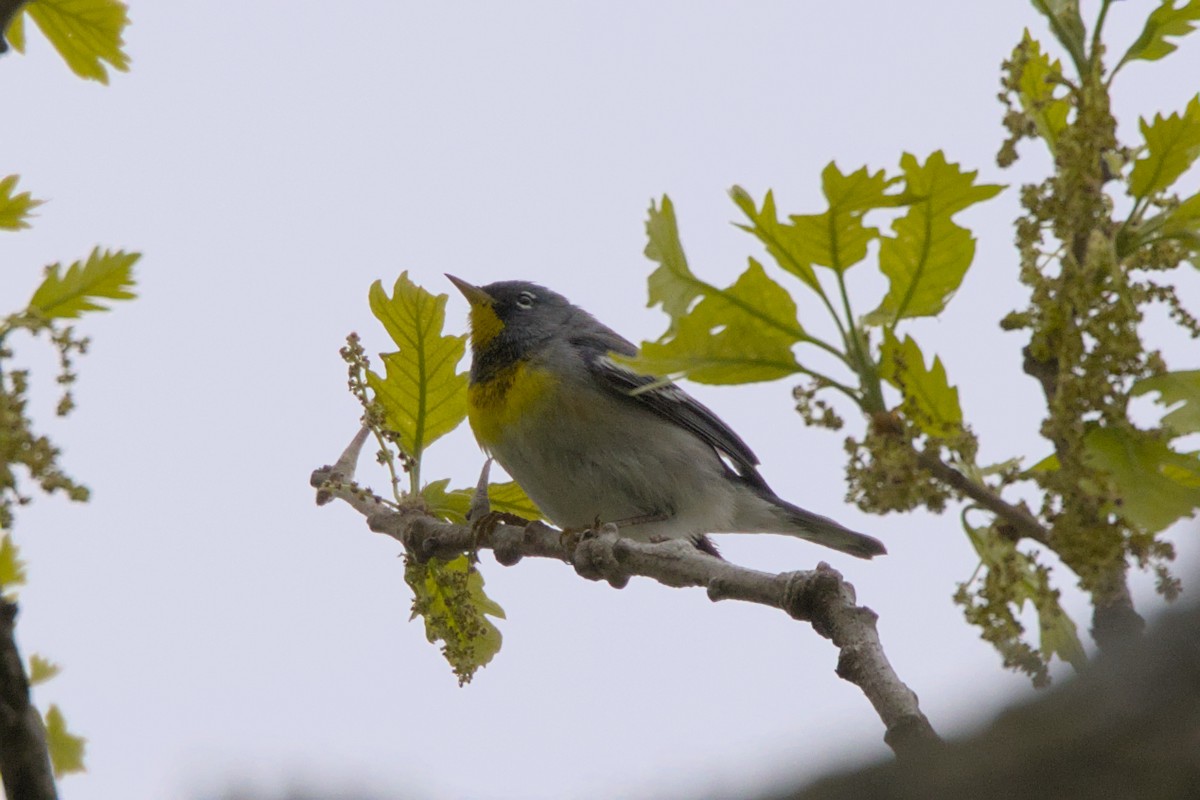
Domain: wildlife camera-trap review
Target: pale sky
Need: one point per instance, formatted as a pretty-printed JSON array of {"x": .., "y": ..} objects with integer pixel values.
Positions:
[{"x": 273, "y": 159}]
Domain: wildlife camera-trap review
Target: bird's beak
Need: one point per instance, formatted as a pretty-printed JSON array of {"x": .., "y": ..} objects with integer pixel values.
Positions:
[
  {"x": 485, "y": 325},
  {"x": 475, "y": 296}
]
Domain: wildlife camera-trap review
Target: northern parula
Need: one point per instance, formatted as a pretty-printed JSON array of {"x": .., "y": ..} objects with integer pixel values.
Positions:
[{"x": 563, "y": 418}]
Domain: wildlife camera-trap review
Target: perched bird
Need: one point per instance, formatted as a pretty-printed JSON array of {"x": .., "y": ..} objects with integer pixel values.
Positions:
[{"x": 564, "y": 420}]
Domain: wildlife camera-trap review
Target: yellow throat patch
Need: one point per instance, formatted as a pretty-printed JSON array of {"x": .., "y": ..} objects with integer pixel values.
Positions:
[
  {"x": 485, "y": 325},
  {"x": 504, "y": 400}
]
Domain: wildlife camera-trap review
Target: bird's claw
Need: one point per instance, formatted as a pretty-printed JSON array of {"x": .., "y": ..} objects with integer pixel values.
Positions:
[
  {"x": 592, "y": 554},
  {"x": 570, "y": 538},
  {"x": 482, "y": 528}
]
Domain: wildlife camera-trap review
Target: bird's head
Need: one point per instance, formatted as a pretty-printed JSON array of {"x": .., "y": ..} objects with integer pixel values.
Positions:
[{"x": 513, "y": 317}]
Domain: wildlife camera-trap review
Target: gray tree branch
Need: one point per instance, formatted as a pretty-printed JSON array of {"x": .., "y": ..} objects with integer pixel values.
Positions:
[{"x": 820, "y": 597}]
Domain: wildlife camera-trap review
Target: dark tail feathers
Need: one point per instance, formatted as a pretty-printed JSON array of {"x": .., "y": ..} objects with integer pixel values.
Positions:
[{"x": 823, "y": 530}]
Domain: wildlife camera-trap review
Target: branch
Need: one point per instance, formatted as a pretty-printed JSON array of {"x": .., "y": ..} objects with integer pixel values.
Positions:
[
  {"x": 1115, "y": 622},
  {"x": 1024, "y": 523},
  {"x": 1120, "y": 728},
  {"x": 820, "y": 597},
  {"x": 24, "y": 759}
]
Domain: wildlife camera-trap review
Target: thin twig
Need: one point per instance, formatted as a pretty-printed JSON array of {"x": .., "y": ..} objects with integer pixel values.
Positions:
[{"x": 1024, "y": 523}]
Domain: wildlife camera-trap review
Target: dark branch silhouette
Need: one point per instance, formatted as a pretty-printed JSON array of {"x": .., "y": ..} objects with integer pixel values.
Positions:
[{"x": 24, "y": 760}]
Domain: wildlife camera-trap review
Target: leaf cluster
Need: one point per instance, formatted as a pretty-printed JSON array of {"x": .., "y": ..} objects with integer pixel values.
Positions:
[
  {"x": 420, "y": 397},
  {"x": 1110, "y": 488},
  {"x": 85, "y": 33},
  {"x": 750, "y": 331},
  {"x": 913, "y": 413},
  {"x": 61, "y": 295},
  {"x": 449, "y": 597}
]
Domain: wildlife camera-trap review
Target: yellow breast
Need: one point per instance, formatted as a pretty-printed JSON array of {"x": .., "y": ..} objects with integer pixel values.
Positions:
[{"x": 505, "y": 400}]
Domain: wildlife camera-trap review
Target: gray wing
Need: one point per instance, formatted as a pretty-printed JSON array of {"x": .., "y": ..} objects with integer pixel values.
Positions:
[{"x": 668, "y": 401}]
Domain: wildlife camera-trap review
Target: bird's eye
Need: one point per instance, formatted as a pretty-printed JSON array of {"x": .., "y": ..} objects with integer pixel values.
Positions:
[{"x": 525, "y": 299}]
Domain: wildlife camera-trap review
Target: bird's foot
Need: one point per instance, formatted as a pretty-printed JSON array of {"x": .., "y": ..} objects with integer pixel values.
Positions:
[
  {"x": 570, "y": 538},
  {"x": 593, "y": 556},
  {"x": 482, "y": 528}
]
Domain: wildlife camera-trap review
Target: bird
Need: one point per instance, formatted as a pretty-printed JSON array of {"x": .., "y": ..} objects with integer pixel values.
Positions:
[{"x": 591, "y": 440}]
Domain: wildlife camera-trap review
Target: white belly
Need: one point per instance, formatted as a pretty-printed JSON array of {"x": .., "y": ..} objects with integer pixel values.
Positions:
[{"x": 638, "y": 468}]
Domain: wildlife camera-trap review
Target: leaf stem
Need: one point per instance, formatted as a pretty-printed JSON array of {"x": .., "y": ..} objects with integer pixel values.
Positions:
[
  {"x": 863, "y": 365},
  {"x": 849, "y": 391},
  {"x": 1095, "y": 54},
  {"x": 1063, "y": 37},
  {"x": 918, "y": 273},
  {"x": 826, "y": 346}
]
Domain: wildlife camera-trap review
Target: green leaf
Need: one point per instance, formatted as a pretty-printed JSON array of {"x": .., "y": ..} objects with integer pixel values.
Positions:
[
  {"x": 1183, "y": 221},
  {"x": 742, "y": 334},
  {"x": 14, "y": 208},
  {"x": 15, "y": 35},
  {"x": 929, "y": 255},
  {"x": 1180, "y": 224},
  {"x": 86, "y": 33},
  {"x": 12, "y": 567},
  {"x": 1048, "y": 464},
  {"x": 838, "y": 238},
  {"x": 1154, "y": 485},
  {"x": 67, "y": 295},
  {"x": 1172, "y": 144},
  {"x": 1164, "y": 21},
  {"x": 1059, "y": 636},
  {"x": 1040, "y": 80},
  {"x": 66, "y": 749},
  {"x": 449, "y": 597},
  {"x": 672, "y": 283},
  {"x": 789, "y": 251},
  {"x": 929, "y": 399},
  {"x": 41, "y": 669},
  {"x": 1067, "y": 25},
  {"x": 423, "y": 396},
  {"x": 453, "y": 505},
  {"x": 1176, "y": 387},
  {"x": 511, "y": 499}
]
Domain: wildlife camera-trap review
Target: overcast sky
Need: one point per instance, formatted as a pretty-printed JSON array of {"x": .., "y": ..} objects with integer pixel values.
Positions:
[{"x": 272, "y": 159}]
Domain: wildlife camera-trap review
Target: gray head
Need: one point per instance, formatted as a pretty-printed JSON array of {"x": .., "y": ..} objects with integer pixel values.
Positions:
[{"x": 510, "y": 319}]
